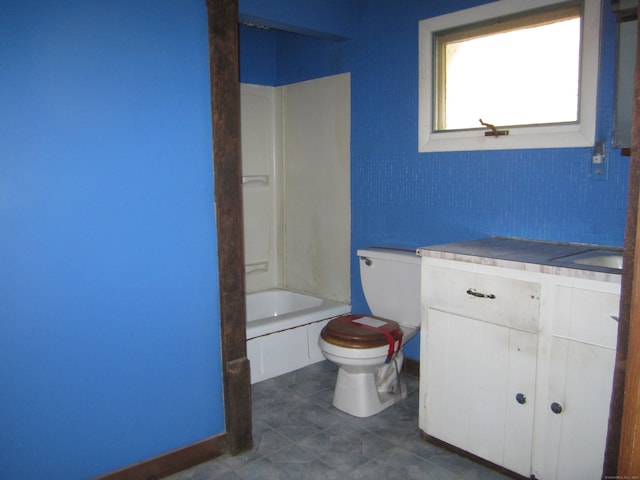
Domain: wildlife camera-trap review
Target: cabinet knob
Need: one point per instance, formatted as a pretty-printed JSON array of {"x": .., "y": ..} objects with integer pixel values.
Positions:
[
  {"x": 521, "y": 398},
  {"x": 556, "y": 408}
]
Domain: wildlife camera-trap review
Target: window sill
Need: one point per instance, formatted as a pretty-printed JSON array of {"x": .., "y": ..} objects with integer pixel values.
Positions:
[{"x": 565, "y": 136}]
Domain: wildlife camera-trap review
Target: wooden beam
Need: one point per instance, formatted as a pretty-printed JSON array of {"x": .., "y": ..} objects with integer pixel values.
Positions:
[
  {"x": 225, "y": 105},
  {"x": 622, "y": 455},
  {"x": 629, "y": 456}
]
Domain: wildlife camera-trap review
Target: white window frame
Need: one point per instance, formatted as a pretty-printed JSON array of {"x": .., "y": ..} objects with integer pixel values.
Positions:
[{"x": 580, "y": 134}]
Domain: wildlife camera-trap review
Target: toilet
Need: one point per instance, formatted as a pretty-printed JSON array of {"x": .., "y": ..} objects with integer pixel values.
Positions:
[{"x": 368, "y": 348}]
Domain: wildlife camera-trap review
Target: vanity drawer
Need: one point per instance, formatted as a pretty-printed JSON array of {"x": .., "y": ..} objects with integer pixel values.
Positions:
[
  {"x": 586, "y": 316},
  {"x": 497, "y": 300}
]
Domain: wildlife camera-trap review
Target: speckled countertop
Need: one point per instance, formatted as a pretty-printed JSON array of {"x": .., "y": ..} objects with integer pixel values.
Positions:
[{"x": 531, "y": 255}]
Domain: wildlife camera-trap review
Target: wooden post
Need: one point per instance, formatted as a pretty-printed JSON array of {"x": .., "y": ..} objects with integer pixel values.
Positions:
[
  {"x": 225, "y": 104},
  {"x": 622, "y": 453},
  {"x": 629, "y": 456}
]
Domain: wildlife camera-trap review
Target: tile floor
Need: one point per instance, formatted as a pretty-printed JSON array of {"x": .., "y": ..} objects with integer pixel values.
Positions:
[{"x": 298, "y": 434}]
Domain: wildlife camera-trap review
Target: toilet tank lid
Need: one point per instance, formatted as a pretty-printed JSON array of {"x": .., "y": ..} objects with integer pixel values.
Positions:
[{"x": 397, "y": 254}]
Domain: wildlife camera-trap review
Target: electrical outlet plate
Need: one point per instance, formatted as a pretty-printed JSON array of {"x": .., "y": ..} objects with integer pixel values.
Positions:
[{"x": 599, "y": 165}]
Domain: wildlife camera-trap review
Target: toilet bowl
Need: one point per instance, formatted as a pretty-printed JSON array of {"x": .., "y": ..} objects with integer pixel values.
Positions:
[{"x": 368, "y": 348}]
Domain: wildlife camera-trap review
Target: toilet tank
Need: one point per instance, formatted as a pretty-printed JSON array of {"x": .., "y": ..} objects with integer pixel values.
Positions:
[{"x": 391, "y": 283}]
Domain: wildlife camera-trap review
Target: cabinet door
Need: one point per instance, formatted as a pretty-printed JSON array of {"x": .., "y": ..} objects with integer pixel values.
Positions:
[
  {"x": 580, "y": 384},
  {"x": 474, "y": 373},
  {"x": 580, "y": 380}
]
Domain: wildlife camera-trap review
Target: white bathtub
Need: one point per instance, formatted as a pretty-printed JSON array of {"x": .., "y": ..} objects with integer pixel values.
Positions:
[{"x": 283, "y": 329}]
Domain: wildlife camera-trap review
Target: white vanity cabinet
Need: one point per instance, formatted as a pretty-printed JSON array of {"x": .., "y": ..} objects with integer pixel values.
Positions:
[
  {"x": 580, "y": 372},
  {"x": 517, "y": 364},
  {"x": 480, "y": 344}
]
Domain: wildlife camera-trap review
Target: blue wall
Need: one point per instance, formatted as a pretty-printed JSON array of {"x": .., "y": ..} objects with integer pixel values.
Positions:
[
  {"x": 258, "y": 56},
  {"x": 275, "y": 58},
  {"x": 318, "y": 18},
  {"x": 109, "y": 318},
  {"x": 402, "y": 197}
]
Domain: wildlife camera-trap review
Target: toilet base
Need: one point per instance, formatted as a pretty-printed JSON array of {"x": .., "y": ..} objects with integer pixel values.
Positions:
[{"x": 357, "y": 393}]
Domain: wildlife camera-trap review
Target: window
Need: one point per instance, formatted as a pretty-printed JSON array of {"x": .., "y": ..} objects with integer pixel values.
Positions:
[{"x": 501, "y": 77}]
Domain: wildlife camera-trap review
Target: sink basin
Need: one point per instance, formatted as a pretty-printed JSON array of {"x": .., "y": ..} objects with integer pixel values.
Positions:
[
  {"x": 596, "y": 258},
  {"x": 607, "y": 261}
]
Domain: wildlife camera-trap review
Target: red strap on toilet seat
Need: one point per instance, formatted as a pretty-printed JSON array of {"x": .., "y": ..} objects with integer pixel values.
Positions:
[{"x": 388, "y": 330}]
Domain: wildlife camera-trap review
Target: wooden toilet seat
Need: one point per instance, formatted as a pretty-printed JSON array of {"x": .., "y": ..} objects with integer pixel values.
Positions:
[{"x": 354, "y": 331}]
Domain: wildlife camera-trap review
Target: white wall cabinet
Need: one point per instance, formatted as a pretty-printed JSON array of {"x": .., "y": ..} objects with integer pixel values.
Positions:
[{"x": 499, "y": 347}]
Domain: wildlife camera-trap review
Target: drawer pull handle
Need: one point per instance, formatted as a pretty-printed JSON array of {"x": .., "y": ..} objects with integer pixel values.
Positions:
[
  {"x": 480, "y": 295},
  {"x": 521, "y": 398}
]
